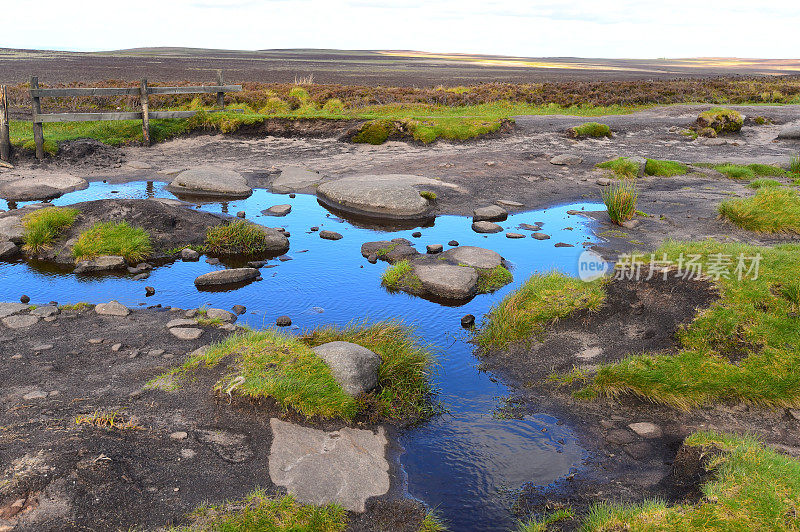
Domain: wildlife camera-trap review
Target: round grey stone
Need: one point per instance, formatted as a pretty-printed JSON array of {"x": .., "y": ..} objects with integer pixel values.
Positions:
[
  {"x": 491, "y": 213},
  {"x": 486, "y": 227},
  {"x": 112, "y": 308},
  {"x": 354, "y": 367}
]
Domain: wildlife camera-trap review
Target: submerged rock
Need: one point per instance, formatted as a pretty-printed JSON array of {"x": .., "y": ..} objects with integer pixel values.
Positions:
[
  {"x": 354, "y": 367},
  {"x": 229, "y": 276},
  {"x": 212, "y": 181},
  {"x": 278, "y": 210},
  {"x": 486, "y": 227}
]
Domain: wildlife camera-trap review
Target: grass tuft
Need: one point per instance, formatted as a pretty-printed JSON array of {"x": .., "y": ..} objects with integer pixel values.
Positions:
[
  {"x": 523, "y": 315},
  {"x": 590, "y": 129},
  {"x": 428, "y": 195},
  {"x": 735, "y": 171},
  {"x": 665, "y": 168},
  {"x": 261, "y": 512},
  {"x": 621, "y": 167},
  {"x": 236, "y": 238},
  {"x": 113, "y": 238},
  {"x": 544, "y": 523},
  {"x": 494, "y": 279},
  {"x": 764, "y": 183},
  {"x": 375, "y": 132},
  {"x": 620, "y": 199},
  {"x": 42, "y": 226},
  {"x": 106, "y": 420},
  {"x": 771, "y": 210},
  {"x": 794, "y": 166},
  {"x": 400, "y": 275}
]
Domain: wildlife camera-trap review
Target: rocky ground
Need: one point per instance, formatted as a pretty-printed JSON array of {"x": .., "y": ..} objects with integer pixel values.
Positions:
[
  {"x": 67, "y": 473},
  {"x": 169, "y": 451}
]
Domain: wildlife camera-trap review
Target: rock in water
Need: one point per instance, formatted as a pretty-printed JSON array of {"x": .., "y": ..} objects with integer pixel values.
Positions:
[
  {"x": 467, "y": 321},
  {"x": 212, "y": 181},
  {"x": 283, "y": 321},
  {"x": 492, "y": 213},
  {"x": 41, "y": 187},
  {"x": 475, "y": 257},
  {"x": 354, "y": 367},
  {"x": 447, "y": 281},
  {"x": 389, "y": 197},
  {"x": 8, "y": 251},
  {"x": 278, "y": 210},
  {"x": 189, "y": 255},
  {"x": 103, "y": 263},
  {"x": 220, "y": 314},
  {"x": 229, "y": 276},
  {"x": 330, "y": 235},
  {"x": 434, "y": 248},
  {"x": 486, "y": 227}
]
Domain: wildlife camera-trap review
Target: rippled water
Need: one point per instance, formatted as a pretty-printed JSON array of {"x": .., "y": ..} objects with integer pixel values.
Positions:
[{"x": 466, "y": 463}]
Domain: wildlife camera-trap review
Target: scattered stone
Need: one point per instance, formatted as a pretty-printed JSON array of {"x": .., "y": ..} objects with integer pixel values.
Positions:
[
  {"x": 24, "y": 299},
  {"x": 100, "y": 264},
  {"x": 179, "y": 435},
  {"x": 620, "y": 436},
  {"x": 416, "y": 234},
  {"x": 36, "y": 394},
  {"x": 604, "y": 181},
  {"x": 330, "y": 235},
  {"x": 566, "y": 159},
  {"x": 187, "y": 454},
  {"x": 7, "y": 309},
  {"x": 219, "y": 314},
  {"x": 241, "y": 214},
  {"x": 475, "y": 257},
  {"x": 189, "y": 255},
  {"x": 95, "y": 341},
  {"x": 149, "y": 291},
  {"x": 45, "y": 311},
  {"x": 112, "y": 308},
  {"x": 185, "y": 322},
  {"x": 434, "y": 248},
  {"x": 509, "y": 203},
  {"x": 20, "y": 321},
  {"x": 486, "y": 227},
  {"x": 646, "y": 429},
  {"x": 294, "y": 178},
  {"x": 186, "y": 333},
  {"x": 514, "y": 235},
  {"x": 467, "y": 321},
  {"x": 447, "y": 281},
  {"x": 346, "y": 467},
  {"x": 283, "y": 321},
  {"x": 155, "y": 352},
  {"x": 224, "y": 277},
  {"x": 141, "y": 277},
  {"x": 239, "y": 309},
  {"x": 540, "y": 236},
  {"x": 354, "y": 367},
  {"x": 314, "y": 229},
  {"x": 209, "y": 180},
  {"x": 492, "y": 213},
  {"x": 453, "y": 243},
  {"x": 630, "y": 224},
  {"x": 9, "y": 251},
  {"x": 278, "y": 210},
  {"x": 564, "y": 245},
  {"x": 116, "y": 347}
]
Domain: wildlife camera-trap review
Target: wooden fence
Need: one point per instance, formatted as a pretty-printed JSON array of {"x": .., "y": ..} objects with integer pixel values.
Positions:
[{"x": 143, "y": 91}]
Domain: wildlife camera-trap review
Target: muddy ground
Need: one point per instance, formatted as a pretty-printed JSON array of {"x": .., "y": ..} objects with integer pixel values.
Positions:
[
  {"x": 514, "y": 166},
  {"x": 183, "y": 447}
]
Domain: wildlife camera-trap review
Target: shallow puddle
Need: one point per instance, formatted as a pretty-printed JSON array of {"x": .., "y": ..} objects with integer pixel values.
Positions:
[{"x": 466, "y": 463}]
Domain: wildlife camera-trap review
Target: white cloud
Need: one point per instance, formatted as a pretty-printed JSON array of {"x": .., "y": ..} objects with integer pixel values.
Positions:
[{"x": 584, "y": 28}]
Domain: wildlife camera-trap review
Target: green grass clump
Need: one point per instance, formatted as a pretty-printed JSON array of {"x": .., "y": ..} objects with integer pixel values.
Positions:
[
  {"x": 334, "y": 106},
  {"x": 745, "y": 347},
  {"x": 81, "y": 305},
  {"x": 590, "y": 129},
  {"x": 432, "y": 523},
  {"x": 752, "y": 488},
  {"x": 400, "y": 275},
  {"x": 765, "y": 183},
  {"x": 236, "y": 238},
  {"x": 258, "y": 511},
  {"x": 620, "y": 199},
  {"x": 494, "y": 279},
  {"x": 794, "y": 166},
  {"x": 266, "y": 364},
  {"x": 407, "y": 365},
  {"x": 524, "y": 314},
  {"x": 274, "y": 106},
  {"x": 42, "y": 226},
  {"x": 735, "y": 171},
  {"x": 428, "y": 195},
  {"x": 113, "y": 238},
  {"x": 767, "y": 170},
  {"x": 721, "y": 120},
  {"x": 665, "y": 168},
  {"x": 771, "y": 210},
  {"x": 621, "y": 167},
  {"x": 545, "y": 523},
  {"x": 300, "y": 93},
  {"x": 375, "y": 132}
]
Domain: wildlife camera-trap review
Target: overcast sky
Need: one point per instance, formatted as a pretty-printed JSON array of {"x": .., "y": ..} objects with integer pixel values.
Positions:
[{"x": 533, "y": 28}]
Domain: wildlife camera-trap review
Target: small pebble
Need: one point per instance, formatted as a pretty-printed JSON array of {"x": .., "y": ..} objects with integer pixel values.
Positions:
[
  {"x": 283, "y": 321},
  {"x": 241, "y": 214},
  {"x": 468, "y": 321},
  {"x": 24, "y": 299},
  {"x": 149, "y": 291}
]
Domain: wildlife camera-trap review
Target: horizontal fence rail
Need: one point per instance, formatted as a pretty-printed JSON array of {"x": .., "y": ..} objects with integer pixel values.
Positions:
[{"x": 143, "y": 91}]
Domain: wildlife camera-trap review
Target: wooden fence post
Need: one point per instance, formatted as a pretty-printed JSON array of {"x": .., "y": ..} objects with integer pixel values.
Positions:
[
  {"x": 144, "y": 99},
  {"x": 5, "y": 136},
  {"x": 38, "y": 132},
  {"x": 220, "y": 95}
]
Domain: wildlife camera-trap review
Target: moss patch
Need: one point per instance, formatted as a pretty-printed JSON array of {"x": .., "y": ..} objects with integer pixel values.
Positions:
[
  {"x": 621, "y": 167},
  {"x": 590, "y": 129},
  {"x": 721, "y": 120},
  {"x": 664, "y": 168}
]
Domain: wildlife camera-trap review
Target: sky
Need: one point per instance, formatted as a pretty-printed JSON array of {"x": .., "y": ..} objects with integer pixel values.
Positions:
[{"x": 529, "y": 28}]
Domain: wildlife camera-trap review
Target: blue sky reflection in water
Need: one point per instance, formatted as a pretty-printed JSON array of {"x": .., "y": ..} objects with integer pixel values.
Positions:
[{"x": 465, "y": 463}]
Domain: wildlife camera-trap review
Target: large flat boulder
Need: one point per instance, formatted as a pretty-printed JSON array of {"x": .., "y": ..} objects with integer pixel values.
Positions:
[
  {"x": 354, "y": 367},
  {"x": 447, "y": 281},
  {"x": 294, "y": 179},
  {"x": 43, "y": 186},
  {"x": 345, "y": 467},
  {"x": 790, "y": 131},
  {"x": 211, "y": 181},
  {"x": 225, "y": 277},
  {"x": 389, "y": 197},
  {"x": 475, "y": 257},
  {"x": 490, "y": 213}
]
